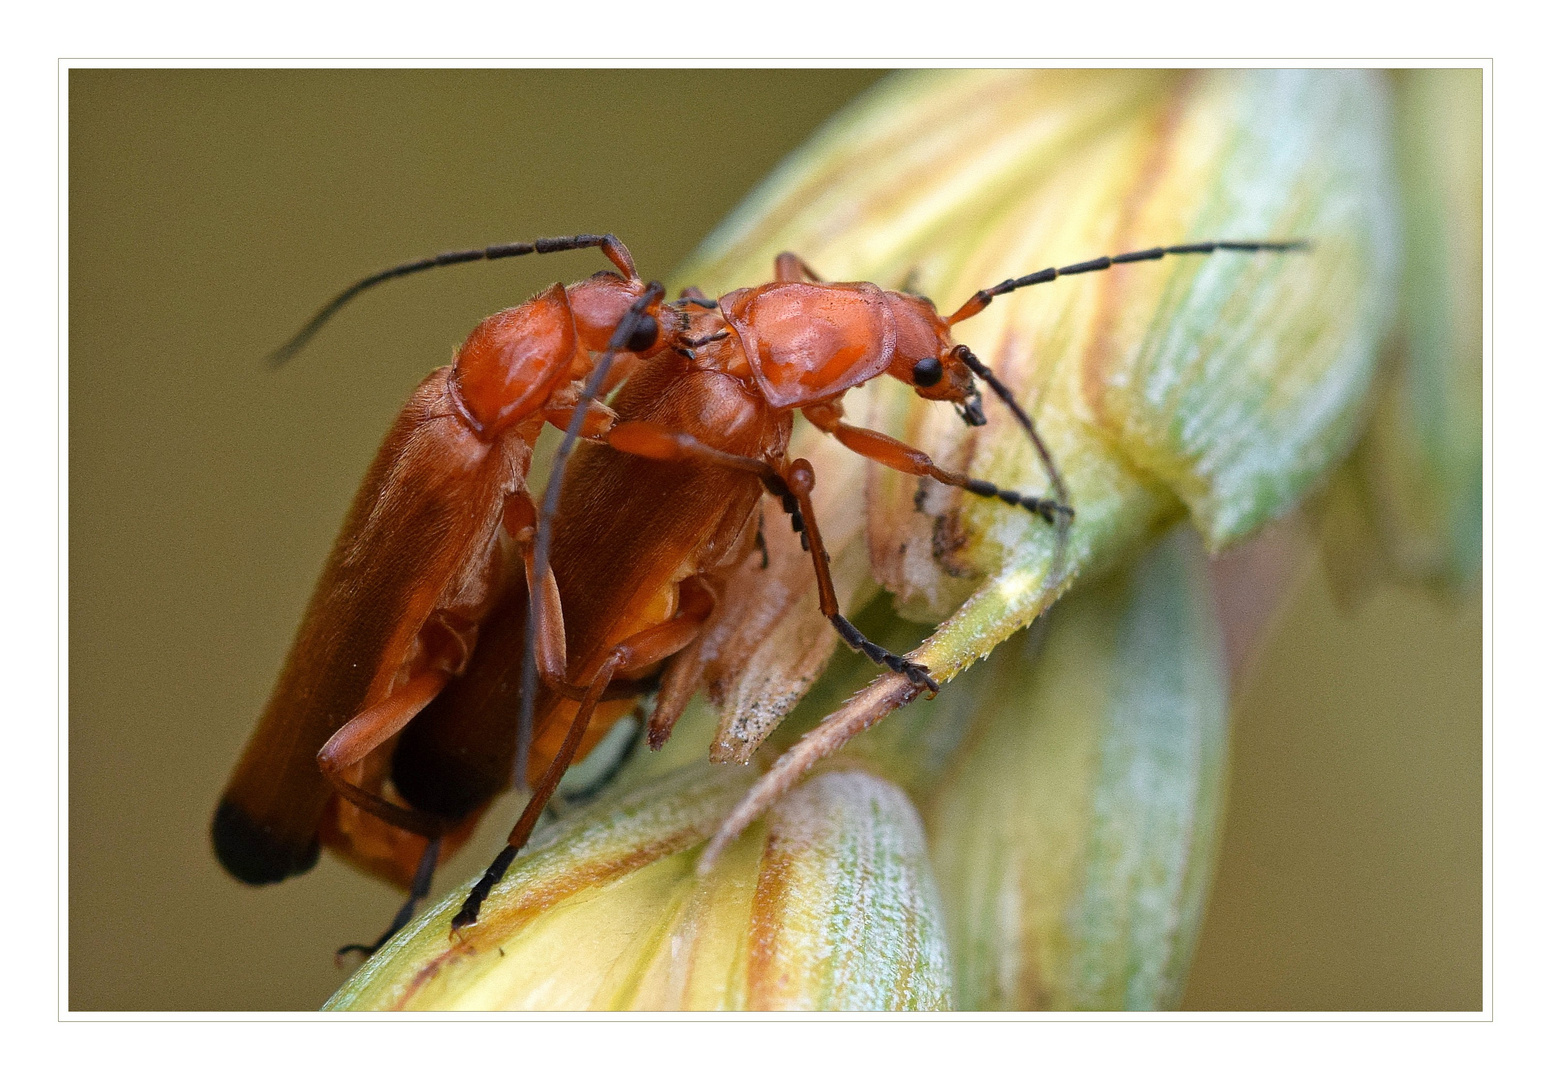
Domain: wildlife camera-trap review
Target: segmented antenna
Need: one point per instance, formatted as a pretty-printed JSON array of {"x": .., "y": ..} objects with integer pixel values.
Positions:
[
  {"x": 551, "y": 504},
  {"x": 978, "y": 303},
  {"x": 610, "y": 244}
]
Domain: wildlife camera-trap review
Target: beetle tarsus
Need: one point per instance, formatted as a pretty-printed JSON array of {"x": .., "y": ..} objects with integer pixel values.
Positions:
[
  {"x": 1049, "y": 509},
  {"x": 419, "y": 889},
  {"x": 468, "y": 914},
  {"x": 918, "y": 675}
]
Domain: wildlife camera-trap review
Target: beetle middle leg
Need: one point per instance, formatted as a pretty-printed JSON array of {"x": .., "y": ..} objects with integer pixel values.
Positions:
[
  {"x": 592, "y": 788},
  {"x": 350, "y": 745},
  {"x": 658, "y": 442},
  {"x": 759, "y": 543}
]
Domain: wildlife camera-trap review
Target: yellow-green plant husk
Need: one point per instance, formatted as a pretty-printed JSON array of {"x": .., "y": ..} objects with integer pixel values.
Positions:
[
  {"x": 1419, "y": 475},
  {"x": 829, "y": 904},
  {"x": 1074, "y": 834}
]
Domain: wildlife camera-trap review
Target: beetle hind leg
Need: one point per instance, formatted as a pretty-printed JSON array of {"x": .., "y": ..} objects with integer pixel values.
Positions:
[
  {"x": 419, "y": 889},
  {"x": 371, "y": 729},
  {"x": 635, "y": 652}
]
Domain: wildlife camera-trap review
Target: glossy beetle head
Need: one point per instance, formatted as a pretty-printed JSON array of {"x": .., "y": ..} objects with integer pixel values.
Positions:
[
  {"x": 600, "y": 302},
  {"x": 926, "y": 357}
]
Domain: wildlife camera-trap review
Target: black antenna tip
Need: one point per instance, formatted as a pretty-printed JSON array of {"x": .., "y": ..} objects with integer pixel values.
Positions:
[
  {"x": 300, "y": 340},
  {"x": 281, "y": 356}
]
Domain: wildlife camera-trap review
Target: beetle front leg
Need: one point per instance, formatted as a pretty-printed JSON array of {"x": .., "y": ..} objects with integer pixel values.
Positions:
[
  {"x": 799, "y": 480},
  {"x": 901, "y": 457},
  {"x": 599, "y": 417}
]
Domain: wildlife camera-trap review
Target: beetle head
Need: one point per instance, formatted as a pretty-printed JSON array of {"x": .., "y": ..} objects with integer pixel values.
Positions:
[
  {"x": 926, "y": 357},
  {"x": 600, "y": 303}
]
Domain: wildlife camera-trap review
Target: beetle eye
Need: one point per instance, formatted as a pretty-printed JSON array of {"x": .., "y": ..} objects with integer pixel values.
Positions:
[
  {"x": 644, "y": 336},
  {"x": 927, "y": 372}
]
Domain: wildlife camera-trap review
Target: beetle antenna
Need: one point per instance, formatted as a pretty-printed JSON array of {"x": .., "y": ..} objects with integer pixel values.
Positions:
[
  {"x": 978, "y": 303},
  {"x": 545, "y": 527},
  {"x": 1062, "y": 513},
  {"x": 618, "y": 254},
  {"x": 1057, "y": 485}
]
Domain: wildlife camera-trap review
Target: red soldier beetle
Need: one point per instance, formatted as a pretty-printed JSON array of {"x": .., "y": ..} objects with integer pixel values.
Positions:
[
  {"x": 416, "y": 568},
  {"x": 442, "y": 636},
  {"x": 712, "y": 420}
]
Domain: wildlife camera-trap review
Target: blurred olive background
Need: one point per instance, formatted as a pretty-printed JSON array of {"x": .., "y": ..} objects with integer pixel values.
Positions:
[{"x": 212, "y": 211}]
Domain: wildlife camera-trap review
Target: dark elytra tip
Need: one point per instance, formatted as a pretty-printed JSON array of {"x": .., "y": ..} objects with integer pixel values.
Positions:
[{"x": 251, "y": 854}]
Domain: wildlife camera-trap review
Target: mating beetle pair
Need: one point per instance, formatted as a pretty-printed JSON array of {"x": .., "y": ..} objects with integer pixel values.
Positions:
[{"x": 408, "y": 701}]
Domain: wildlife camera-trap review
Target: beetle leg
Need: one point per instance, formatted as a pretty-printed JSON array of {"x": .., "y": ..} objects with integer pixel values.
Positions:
[
  {"x": 469, "y": 912},
  {"x": 696, "y": 603},
  {"x": 658, "y": 442},
  {"x": 419, "y": 889},
  {"x": 582, "y": 796},
  {"x": 890, "y": 452},
  {"x": 789, "y": 267},
  {"x": 367, "y": 731},
  {"x": 549, "y": 642},
  {"x": 799, "y": 479},
  {"x": 759, "y": 542},
  {"x": 597, "y": 421},
  {"x": 548, "y": 618},
  {"x": 637, "y": 651}
]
